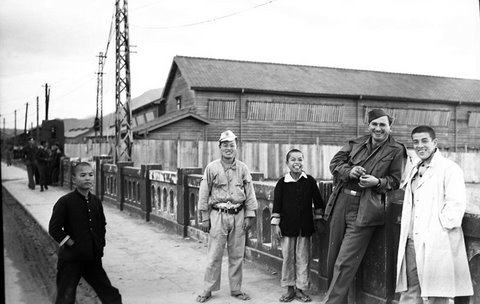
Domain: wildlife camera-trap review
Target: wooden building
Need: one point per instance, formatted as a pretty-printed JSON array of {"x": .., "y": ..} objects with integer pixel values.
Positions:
[{"x": 281, "y": 103}]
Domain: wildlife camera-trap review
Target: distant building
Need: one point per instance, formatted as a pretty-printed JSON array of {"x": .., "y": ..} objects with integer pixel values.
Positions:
[{"x": 269, "y": 102}]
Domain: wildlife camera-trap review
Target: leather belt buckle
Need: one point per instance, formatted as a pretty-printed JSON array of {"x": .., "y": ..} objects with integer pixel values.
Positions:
[
  {"x": 229, "y": 205},
  {"x": 351, "y": 192}
]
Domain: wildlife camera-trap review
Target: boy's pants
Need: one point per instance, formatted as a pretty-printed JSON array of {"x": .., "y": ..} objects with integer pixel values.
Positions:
[
  {"x": 68, "y": 276},
  {"x": 225, "y": 229},
  {"x": 296, "y": 262}
]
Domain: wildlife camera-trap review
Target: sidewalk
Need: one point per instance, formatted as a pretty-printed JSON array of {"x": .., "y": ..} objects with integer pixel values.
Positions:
[{"x": 145, "y": 262}]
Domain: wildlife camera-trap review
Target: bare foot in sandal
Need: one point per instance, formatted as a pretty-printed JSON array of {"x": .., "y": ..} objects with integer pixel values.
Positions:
[
  {"x": 240, "y": 295},
  {"x": 289, "y": 296},
  {"x": 204, "y": 297},
  {"x": 299, "y": 295}
]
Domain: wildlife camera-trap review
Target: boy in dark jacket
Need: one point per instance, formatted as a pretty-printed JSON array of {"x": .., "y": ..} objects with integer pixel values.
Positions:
[
  {"x": 78, "y": 225},
  {"x": 293, "y": 224}
]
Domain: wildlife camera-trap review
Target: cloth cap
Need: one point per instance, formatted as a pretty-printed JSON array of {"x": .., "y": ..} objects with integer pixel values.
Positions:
[
  {"x": 227, "y": 136},
  {"x": 376, "y": 113}
]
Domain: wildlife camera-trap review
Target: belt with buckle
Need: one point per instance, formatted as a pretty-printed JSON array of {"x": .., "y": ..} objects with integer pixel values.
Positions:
[
  {"x": 228, "y": 210},
  {"x": 351, "y": 192}
]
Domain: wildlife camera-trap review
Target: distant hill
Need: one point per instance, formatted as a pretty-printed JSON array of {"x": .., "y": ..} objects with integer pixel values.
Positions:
[{"x": 145, "y": 98}]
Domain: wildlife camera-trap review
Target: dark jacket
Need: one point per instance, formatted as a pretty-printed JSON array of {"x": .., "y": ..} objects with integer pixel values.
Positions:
[
  {"x": 387, "y": 164},
  {"x": 84, "y": 221},
  {"x": 293, "y": 201}
]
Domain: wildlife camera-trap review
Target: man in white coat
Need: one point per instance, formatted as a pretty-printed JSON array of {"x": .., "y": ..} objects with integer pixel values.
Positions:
[{"x": 432, "y": 262}]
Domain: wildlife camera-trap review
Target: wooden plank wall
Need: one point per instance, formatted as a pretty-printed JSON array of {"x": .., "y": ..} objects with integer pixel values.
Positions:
[{"x": 268, "y": 158}]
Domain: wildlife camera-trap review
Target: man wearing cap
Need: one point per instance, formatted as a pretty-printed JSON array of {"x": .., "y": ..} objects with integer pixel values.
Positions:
[
  {"x": 364, "y": 170},
  {"x": 227, "y": 204}
]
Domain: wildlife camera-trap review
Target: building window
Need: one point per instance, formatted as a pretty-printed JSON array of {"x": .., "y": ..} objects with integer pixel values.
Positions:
[
  {"x": 430, "y": 117},
  {"x": 474, "y": 119},
  {"x": 267, "y": 110},
  {"x": 221, "y": 108},
  {"x": 178, "y": 99}
]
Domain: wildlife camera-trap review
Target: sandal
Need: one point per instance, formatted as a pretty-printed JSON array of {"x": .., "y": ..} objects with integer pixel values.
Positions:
[
  {"x": 204, "y": 297},
  {"x": 240, "y": 295},
  {"x": 287, "y": 298},
  {"x": 299, "y": 295}
]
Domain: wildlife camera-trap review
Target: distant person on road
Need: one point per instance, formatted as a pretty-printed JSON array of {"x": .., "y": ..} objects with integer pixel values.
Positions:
[
  {"x": 9, "y": 155},
  {"x": 43, "y": 158},
  {"x": 56, "y": 154},
  {"x": 30, "y": 159},
  {"x": 364, "y": 170},
  {"x": 293, "y": 223},
  {"x": 432, "y": 265},
  {"x": 78, "y": 225},
  {"x": 228, "y": 204}
]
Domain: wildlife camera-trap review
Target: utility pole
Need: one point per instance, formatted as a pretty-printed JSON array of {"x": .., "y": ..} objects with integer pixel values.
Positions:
[
  {"x": 15, "y": 129},
  {"x": 38, "y": 127},
  {"x": 26, "y": 115},
  {"x": 123, "y": 113},
  {"x": 98, "y": 123},
  {"x": 47, "y": 100}
]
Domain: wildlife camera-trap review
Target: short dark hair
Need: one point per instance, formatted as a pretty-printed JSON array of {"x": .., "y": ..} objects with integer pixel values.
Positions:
[
  {"x": 80, "y": 164},
  {"x": 424, "y": 129},
  {"x": 292, "y": 151}
]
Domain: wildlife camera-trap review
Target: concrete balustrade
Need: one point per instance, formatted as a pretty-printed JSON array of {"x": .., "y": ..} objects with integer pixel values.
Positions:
[{"x": 170, "y": 198}]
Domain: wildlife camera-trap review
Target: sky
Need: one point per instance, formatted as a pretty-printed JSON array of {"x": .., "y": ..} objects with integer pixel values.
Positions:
[{"x": 58, "y": 41}]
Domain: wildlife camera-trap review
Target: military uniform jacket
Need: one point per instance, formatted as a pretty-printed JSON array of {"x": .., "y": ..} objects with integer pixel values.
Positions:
[{"x": 386, "y": 163}]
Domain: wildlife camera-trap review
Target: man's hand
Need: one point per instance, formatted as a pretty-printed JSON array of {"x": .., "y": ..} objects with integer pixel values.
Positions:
[
  {"x": 320, "y": 226},
  {"x": 247, "y": 223},
  {"x": 368, "y": 181},
  {"x": 277, "y": 232},
  {"x": 205, "y": 226},
  {"x": 356, "y": 172}
]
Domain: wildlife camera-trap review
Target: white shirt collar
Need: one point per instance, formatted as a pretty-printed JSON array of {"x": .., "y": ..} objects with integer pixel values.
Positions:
[{"x": 289, "y": 178}]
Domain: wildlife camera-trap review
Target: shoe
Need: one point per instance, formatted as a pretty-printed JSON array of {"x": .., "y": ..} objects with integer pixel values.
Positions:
[
  {"x": 46, "y": 187},
  {"x": 41, "y": 189}
]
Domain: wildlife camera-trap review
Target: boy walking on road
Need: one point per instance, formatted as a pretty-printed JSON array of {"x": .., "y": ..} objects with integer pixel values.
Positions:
[
  {"x": 227, "y": 202},
  {"x": 78, "y": 225}
]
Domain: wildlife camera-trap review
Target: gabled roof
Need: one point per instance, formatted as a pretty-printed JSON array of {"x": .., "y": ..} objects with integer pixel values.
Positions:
[
  {"x": 169, "y": 119},
  {"x": 234, "y": 75}
]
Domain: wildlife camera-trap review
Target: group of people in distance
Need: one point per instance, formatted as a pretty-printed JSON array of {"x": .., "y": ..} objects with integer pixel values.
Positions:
[
  {"x": 432, "y": 262},
  {"x": 42, "y": 162}
]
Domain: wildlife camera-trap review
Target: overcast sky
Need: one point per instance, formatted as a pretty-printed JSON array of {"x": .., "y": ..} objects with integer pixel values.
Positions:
[{"x": 57, "y": 42}]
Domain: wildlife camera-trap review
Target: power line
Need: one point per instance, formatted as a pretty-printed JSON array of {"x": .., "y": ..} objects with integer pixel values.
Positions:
[{"x": 204, "y": 21}]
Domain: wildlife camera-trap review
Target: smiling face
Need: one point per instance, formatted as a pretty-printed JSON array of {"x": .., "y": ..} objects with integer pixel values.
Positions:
[
  {"x": 424, "y": 145},
  {"x": 379, "y": 129},
  {"x": 228, "y": 150},
  {"x": 83, "y": 177},
  {"x": 295, "y": 162}
]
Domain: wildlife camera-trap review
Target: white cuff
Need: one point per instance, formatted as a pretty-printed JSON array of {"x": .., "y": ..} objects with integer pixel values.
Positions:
[
  {"x": 64, "y": 240},
  {"x": 275, "y": 221}
]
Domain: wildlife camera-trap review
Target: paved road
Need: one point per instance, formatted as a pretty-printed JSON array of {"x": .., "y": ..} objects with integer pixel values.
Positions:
[{"x": 145, "y": 262}]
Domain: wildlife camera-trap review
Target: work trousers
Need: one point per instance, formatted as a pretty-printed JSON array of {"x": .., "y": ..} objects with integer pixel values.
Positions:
[
  {"x": 69, "y": 274},
  {"x": 296, "y": 261},
  {"x": 226, "y": 229},
  {"x": 31, "y": 174},
  {"x": 413, "y": 294},
  {"x": 347, "y": 246}
]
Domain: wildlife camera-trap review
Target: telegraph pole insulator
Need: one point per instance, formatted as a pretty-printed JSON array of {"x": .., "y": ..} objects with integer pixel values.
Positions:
[{"x": 123, "y": 114}]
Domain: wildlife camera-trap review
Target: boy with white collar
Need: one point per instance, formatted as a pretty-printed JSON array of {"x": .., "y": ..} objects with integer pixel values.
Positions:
[{"x": 293, "y": 224}]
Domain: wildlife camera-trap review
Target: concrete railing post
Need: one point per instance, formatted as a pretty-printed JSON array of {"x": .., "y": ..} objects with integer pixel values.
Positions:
[
  {"x": 120, "y": 182},
  {"x": 145, "y": 188},
  {"x": 99, "y": 176},
  {"x": 183, "y": 211}
]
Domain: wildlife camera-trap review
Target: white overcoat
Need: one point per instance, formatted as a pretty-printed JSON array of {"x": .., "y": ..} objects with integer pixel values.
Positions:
[{"x": 441, "y": 258}]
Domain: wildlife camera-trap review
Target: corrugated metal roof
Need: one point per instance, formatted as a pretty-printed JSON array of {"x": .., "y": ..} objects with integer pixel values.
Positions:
[{"x": 207, "y": 73}]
